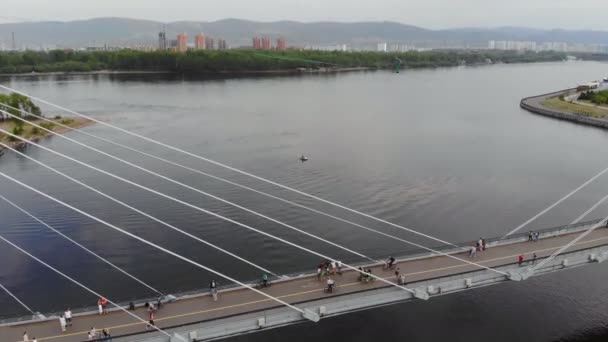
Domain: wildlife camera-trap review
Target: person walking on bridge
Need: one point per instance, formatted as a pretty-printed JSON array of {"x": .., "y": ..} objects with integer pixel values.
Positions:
[
  {"x": 25, "y": 337},
  {"x": 213, "y": 289},
  {"x": 520, "y": 260},
  {"x": 68, "y": 317},
  {"x": 150, "y": 320},
  {"x": 391, "y": 262},
  {"x": 62, "y": 323}
]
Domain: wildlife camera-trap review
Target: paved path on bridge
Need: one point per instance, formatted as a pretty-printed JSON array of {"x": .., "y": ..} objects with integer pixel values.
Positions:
[{"x": 302, "y": 289}]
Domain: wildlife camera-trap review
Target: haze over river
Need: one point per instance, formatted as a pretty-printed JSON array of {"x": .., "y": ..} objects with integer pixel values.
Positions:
[{"x": 447, "y": 152}]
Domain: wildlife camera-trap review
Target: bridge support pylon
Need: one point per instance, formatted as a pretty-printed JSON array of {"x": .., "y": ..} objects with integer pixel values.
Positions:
[
  {"x": 421, "y": 293},
  {"x": 311, "y": 316},
  {"x": 520, "y": 275}
]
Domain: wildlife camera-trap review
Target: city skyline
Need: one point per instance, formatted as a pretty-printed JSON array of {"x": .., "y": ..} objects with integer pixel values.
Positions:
[{"x": 435, "y": 14}]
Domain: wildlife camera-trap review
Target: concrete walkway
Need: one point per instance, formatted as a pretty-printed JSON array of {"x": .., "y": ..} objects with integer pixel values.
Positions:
[{"x": 239, "y": 301}]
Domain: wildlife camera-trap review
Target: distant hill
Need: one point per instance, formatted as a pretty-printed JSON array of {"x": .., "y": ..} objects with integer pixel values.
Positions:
[{"x": 122, "y": 31}]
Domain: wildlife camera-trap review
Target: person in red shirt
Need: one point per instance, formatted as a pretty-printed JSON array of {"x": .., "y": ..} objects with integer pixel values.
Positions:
[{"x": 520, "y": 259}]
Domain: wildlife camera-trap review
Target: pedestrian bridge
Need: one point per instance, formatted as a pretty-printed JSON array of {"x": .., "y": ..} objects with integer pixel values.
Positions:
[{"x": 238, "y": 310}]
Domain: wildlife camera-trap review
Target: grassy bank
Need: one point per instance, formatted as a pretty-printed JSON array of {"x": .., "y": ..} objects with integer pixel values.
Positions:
[
  {"x": 595, "y": 112},
  {"x": 34, "y": 133}
]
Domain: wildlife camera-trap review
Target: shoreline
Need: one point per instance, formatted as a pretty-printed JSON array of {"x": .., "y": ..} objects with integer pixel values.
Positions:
[
  {"x": 18, "y": 144},
  {"x": 535, "y": 104},
  {"x": 296, "y": 71}
]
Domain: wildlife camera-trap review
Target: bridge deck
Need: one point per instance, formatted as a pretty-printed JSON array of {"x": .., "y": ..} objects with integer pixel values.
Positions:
[{"x": 302, "y": 289}]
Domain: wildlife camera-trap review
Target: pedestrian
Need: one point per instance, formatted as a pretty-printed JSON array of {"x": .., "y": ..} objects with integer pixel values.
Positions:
[
  {"x": 104, "y": 304},
  {"x": 533, "y": 258},
  {"x": 159, "y": 303},
  {"x": 520, "y": 259},
  {"x": 106, "y": 335},
  {"x": 479, "y": 244},
  {"x": 25, "y": 337},
  {"x": 99, "y": 307},
  {"x": 339, "y": 267},
  {"x": 473, "y": 252},
  {"x": 536, "y": 236},
  {"x": 402, "y": 280},
  {"x": 361, "y": 274},
  {"x": 334, "y": 267},
  {"x": 213, "y": 289},
  {"x": 483, "y": 245},
  {"x": 150, "y": 320},
  {"x": 92, "y": 334},
  {"x": 530, "y": 236},
  {"x": 397, "y": 274},
  {"x": 391, "y": 262},
  {"x": 68, "y": 316},
  {"x": 319, "y": 273},
  {"x": 131, "y": 306},
  {"x": 34, "y": 340},
  {"x": 62, "y": 323}
]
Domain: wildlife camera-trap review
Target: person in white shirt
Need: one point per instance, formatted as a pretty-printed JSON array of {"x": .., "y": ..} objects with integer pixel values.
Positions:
[
  {"x": 34, "y": 340},
  {"x": 63, "y": 323},
  {"x": 25, "y": 337},
  {"x": 68, "y": 317},
  {"x": 330, "y": 285}
]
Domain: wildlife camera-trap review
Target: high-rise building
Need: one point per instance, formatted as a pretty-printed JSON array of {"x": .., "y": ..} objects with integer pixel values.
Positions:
[
  {"x": 266, "y": 43},
  {"x": 182, "y": 42},
  {"x": 281, "y": 44},
  {"x": 162, "y": 40},
  {"x": 257, "y": 43},
  {"x": 199, "y": 42},
  {"x": 209, "y": 43},
  {"x": 221, "y": 44}
]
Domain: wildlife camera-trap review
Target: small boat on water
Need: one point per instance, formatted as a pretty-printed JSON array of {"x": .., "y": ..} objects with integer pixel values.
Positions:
[
  {"x": 605, "y": 79},
  {"x": 303, "y": 158}
]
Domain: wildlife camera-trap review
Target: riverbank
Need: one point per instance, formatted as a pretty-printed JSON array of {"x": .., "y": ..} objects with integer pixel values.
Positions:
[
  {"x": 34, "y": 133},
  {"x": 554, "y": 105}
]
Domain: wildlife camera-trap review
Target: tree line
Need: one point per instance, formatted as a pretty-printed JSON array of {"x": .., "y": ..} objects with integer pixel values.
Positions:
[
  {"x": 251, "y": 60},
  {"x": 599, "y": 97}
]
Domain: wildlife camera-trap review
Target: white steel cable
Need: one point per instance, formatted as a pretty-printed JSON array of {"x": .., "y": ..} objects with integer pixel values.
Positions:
[
  {"x": 570, "y": 194},
  {"x": 80, "y": 245},
  {"x": 212, "y": 213},
  {"x": 229, "y": 167},
  {"x": 575, "y": 240},
  {"x": 227, "y": 219},
  {"x": 192, "y": 188},
  {"x": 214, "y": 177},
  {"x": 179, "y": 256},
  {"x": 580, "y": 218},
  {"x": 17, "y": 299},
  {"x": 79, "y": 284},
  {"x": 139, "y": 211}
]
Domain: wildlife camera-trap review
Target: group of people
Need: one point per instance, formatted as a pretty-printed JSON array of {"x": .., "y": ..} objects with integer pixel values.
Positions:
[
  {"x": 96, "y": 335},
  {"x": 533, "y": 236},
  {"x": 327, "y": 268},
  {"x": 480, "y": 246},
  {"x": 365, "y": 275},
  {"x": 65, "y": 320},
  {"x": 521, "y": 258}
]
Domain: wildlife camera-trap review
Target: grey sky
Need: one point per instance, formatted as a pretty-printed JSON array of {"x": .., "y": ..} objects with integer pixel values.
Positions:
[{"x": 579, "y": 14}]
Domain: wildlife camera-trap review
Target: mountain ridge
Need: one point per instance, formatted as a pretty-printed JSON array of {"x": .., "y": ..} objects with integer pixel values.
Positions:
[{"x": 119, "y": 31}]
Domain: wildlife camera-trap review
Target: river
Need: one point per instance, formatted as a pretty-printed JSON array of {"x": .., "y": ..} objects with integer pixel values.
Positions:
[{"x": 447, "y": 152}]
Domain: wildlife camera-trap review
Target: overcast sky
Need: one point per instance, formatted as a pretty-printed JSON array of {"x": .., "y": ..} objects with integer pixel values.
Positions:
[{"x": 577, "y": 14}]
